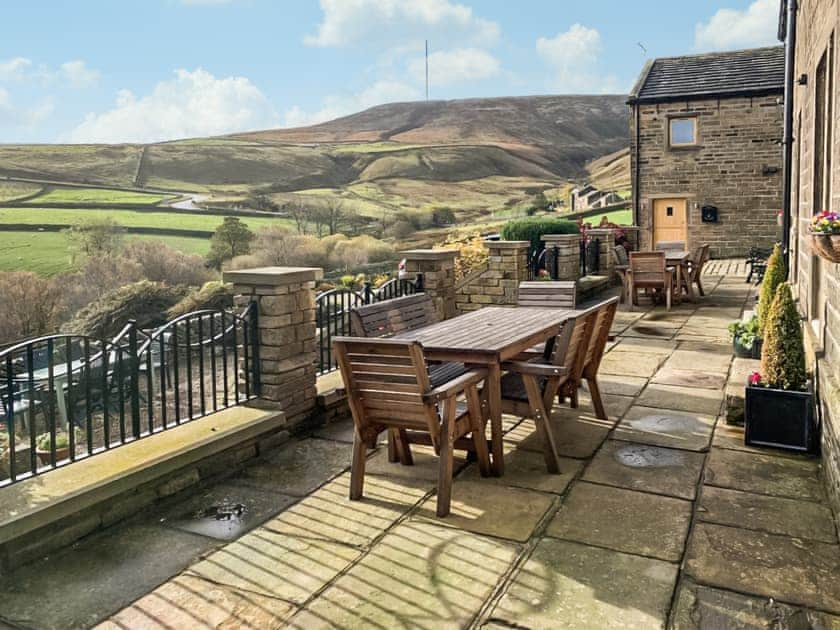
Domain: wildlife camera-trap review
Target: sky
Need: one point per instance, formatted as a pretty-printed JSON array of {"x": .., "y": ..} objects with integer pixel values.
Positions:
[{"x": 149, "y": 70}]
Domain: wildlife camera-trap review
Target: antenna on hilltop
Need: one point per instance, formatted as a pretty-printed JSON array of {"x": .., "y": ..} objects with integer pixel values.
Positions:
[{"x": 427, "y": 70}]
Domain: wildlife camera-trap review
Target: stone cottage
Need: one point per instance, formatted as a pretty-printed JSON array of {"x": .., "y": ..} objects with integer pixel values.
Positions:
[
  {"x": 814, "y": 154},
  {"x": 705, "y": 154}
]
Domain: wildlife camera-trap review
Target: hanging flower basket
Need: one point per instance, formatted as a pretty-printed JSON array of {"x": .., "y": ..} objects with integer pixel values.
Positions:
[{"x": 824, "y": 236}]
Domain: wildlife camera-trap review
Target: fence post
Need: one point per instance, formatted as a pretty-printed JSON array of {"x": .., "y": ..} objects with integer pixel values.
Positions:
[
  {"x": 438, "y": 269},
  {"x": 565, "y": 251},
  {"x": 253, "y": 311},
  {"x": 367, "y": 292},
  {"x": 134, "y": 368},
  {"x": 605, "y": 239},
  {"x": 418, "y": 283},
  {"x": 286, "y": 334}
]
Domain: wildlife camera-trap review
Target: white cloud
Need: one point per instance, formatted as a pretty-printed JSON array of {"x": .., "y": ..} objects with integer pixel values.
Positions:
[
  {"x": 730, "y": 28},
  {"x": 14, "y": 69},
  {"x": 455, "y": 66},
  {"x": 78, "y": 75},
  {"x": 17, "y": 118},
  {"x": 336, "y": 106},
  {"x": 348, "y": 21},
  {"x": 573, "y": 56},
  {"x": 192, "y": 104}
]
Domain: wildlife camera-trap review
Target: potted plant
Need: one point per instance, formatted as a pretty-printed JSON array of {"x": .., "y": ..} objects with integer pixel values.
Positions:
[
  {"x": 779, "y": 401},
  {"x": 62, "y": 445},
  {"x": 774, "y": 275},
  {"x": 746, "y": 338},
  {"x": 824, "y": 236}
]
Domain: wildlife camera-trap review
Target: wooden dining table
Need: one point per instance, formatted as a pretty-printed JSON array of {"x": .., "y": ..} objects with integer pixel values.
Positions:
[
  {"x": 679, "y": 260},
  {"x": 486, "y": 338}
]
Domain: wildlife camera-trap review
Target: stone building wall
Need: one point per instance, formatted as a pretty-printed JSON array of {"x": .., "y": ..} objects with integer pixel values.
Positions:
[
  {"x": 736, "y": 166},
  {"x": 817, "y": 282}
]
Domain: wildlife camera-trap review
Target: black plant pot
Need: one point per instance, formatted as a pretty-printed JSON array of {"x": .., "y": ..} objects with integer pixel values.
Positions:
[
  {"x": 780, "y": 418},
  {"x": 746, "y": 352}
]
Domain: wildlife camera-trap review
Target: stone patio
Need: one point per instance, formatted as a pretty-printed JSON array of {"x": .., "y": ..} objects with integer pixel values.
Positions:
[{"x": 660, "y": 518}]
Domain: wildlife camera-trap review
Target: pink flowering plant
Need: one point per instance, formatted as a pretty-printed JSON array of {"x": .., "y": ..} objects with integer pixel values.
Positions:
[
  {"x": 826, "y": 223},
  {"x": 755, "y": 379}
]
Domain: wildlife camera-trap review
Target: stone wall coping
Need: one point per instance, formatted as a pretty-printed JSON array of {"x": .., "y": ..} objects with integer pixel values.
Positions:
[
  {"x": 561, "y": 238},
  {"x": 600, "y": 231},
  {"x": 429, "y": 254},
  {"x": 273, "y": 276},
  {"x": 508, "y": 244},
  {"x": 39, "y": 501}
]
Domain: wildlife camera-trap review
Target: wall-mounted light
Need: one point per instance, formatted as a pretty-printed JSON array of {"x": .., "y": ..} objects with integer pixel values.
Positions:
[{"x": 803, "y": 79}]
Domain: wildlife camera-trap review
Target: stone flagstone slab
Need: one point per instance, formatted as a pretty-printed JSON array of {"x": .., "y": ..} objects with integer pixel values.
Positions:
[
  {"x": 787, "y": 569},
  {"x": 615, "y": 406},
  {"x": 420, "y": 575},
  {"x": 765, "y": 474},
  {"x": 299, "y": 467},
  {"x": 654, "y": 469},
  {"x": 329, "y": 514},
  {"x": 630, "y": 364},
  {"x": 624, "y": 520},
  {"x": 567, "y": 585},
  {"x": 88, "y": 582},
  {"x": 663, "y": 427},
  {"x": 707, "y": 361},
  {"x": 705, "y": 401},
  {"x": 801, "y": 519},
  {"x": 645, "y": 346},
  {"x": 190, "y": 602},
  {"x": 689, "y": 378},
  {"x": 575, "y": 435},
  {"x": 425, "y": 464},
  {"x": 291, "y": 568},
  {"x": 701, "y": 607},
  {"x": 526, "y": 469},
  {"x": 495, "y": 510},
  {"x": 621, "y": 385}
]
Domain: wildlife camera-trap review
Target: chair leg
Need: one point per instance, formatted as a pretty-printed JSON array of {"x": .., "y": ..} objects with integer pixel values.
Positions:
[
  {"x": 478, "y": 433},
  {"x": 573, "y": 398},
  {"x": 393, "y": 446},
  {"x": 595, "y": 395},
  {"x": 541, "y": 419},
  {"x": 446, "y": 464},
  {"x": 403, "y": 448},
  {"x": 357, "y": 467},
  {"x": 700, "y": 286}
]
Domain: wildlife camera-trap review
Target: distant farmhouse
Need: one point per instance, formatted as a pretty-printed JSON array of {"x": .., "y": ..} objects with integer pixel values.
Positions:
[
  {"x": 705, "y": 154},
  {"x": 588, "y": 197}
]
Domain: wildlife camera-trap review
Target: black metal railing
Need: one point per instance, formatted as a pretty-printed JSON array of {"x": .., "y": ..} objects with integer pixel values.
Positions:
[
  {"x": 590, "y": 256},
  {"x": 332, "y": 311},
  {"x": 68, "y": 397}
]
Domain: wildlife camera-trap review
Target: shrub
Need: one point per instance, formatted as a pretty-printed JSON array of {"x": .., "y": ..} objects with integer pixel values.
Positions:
[
  {"x": 359, "y": 250},
  {"x": 472, "y": 253},
  {"x": 98, "y": 276},
  {"x": 30, "y": 305},
  {"x": 160, "y": 263},
  {"x": 231, "y": 239},
  {"x": 774, "y": 275},
  {"x": 62, "y": 440},
  {"x": 783, "y": 353},
  {"x": 95, "y": 236},
  {"x": 746, "y": 332},
  {"x": 443, "y": 216},
  {"x": 532, "y": 229},
  {"x": 214, "y": 295}
]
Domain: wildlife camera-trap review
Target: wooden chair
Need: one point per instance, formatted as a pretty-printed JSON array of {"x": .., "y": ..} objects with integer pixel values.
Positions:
[
  {"x": 648, "y": 271},
  {"x": 670, "y": 246},
  {"x": 604, "y": 314},
  {"x": 388, "y": 388},
  {"x": 548, "y": 294},
  {"x": 529, "y": 387},
  {"x": 695, "y": 267},
  {"x": 622, "y": 263}
]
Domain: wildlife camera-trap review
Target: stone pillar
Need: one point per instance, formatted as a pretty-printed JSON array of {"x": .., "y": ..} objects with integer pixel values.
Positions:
[
  {"x": 507, "y": 267},
  {"x": 287, "y": 334},
  {"x": 606, "y": 264},
  {"x": 568, "y": 255},
  {"x": 438, "y": 269}
]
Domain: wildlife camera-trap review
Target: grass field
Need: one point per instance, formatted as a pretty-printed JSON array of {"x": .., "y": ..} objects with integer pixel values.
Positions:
[
  {"x": 619, "y": 217},
  {"x": 9, "y": 191},
  {"x": 126, "y": 218},
  {"x": 46, "y": 253},
  {"x": 97, "y": 196}
]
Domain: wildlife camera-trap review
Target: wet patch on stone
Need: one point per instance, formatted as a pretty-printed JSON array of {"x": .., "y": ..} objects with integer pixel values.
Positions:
[
  {"x": 705, "y": 401},
  {"x": 576, "y": 435},
  {"x": 690, "y": 378},
  {"x": 661, "y": 427}
]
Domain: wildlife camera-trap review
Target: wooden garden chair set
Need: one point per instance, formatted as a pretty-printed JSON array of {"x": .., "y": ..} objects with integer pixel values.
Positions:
[{"x": 392, "y": 385}]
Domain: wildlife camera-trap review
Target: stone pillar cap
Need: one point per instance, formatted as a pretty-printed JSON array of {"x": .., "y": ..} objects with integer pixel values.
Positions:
[
  {"x": 508, "y": 244},
  {"x": 430, "y": 254},
  {"x": 273, "y": 276},
  {"x": 599, "y": 231},
  {"x": 559, "y": 237}
]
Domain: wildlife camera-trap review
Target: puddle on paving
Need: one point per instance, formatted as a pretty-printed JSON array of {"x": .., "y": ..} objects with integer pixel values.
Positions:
[
  {"x": 650, "y": 330},
  {"x": 224, "y": 512},
  {"x": 665, "y": 424},
  {"x": 648, "y": 457},
  {"x": 225, "y": 520}
]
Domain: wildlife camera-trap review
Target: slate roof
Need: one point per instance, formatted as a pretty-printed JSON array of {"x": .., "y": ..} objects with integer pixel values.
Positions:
[{"x": 735, "y": 73}]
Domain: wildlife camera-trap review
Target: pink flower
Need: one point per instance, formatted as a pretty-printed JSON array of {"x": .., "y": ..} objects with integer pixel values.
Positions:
[{"x": 755, "y": 378}]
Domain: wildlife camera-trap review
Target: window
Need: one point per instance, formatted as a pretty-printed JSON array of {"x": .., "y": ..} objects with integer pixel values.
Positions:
[{"x": 683, "y": 132}]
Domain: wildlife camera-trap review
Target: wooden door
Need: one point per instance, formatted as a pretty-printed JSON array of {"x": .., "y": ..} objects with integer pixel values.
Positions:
[{"x": 670, "y": 220}]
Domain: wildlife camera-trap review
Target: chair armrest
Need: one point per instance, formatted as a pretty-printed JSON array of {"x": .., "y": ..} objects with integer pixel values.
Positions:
[
  {"x": 535, "y": 369},
  {"x": 528, "y": 355},
  {"x": 455, "y": 386}
]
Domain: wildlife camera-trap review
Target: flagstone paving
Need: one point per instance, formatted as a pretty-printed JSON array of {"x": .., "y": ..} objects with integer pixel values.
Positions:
[{"x": 660, "y": 517}]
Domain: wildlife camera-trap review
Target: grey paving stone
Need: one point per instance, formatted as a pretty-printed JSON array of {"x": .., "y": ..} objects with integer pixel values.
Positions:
[
  {"x": 576, "y": 435},
  {"x": 654, "y": 469},
  {"x": 791, "y": 570},
  {"x": 568, "y": 585},
  {"x": 707, "y": 361},
  {"x": 630, "y": 364},
  {"x": 624, "y": 520},
  {"x": 700, "y": 607},
  {"x": 689, "y": 378},
  {"x": 99, "y": 576},
  {"x": 776, "y": 515},
  {"x": 663, "y": 427},
  {"x": 704, "y": 401},
  {"x": 621, "y": 384},
  {"x": 526, "y": 469},
  {"x": 765, "y": 474}
]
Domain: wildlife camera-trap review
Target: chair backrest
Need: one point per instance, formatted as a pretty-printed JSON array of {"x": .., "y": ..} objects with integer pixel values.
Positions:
[
  {"x": 571, "y": 344},
  {"x": 620, "y": 255},
  {"x": 385, "y": 381},
  {"x": 387, "y": 318},
  {"x": 549, "y": 294},
  {"x": 604, "y": 316},
  {"x": 671, "y": 246},
  {"x": 647, "y": 267},
  {"x": 698, "y": 259}
]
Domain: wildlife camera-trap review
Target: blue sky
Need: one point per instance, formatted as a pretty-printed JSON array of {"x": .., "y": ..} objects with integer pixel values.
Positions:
[{"x": 141, "y": 71}]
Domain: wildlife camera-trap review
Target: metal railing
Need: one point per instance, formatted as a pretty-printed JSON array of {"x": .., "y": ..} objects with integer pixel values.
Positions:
[
  {"x": 332, "y": 311},
  {"x": 590, "y": 256},
  {"x": 68, "y": 397}
]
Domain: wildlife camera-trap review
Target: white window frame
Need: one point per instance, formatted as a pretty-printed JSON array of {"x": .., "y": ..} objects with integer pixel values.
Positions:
[{"x": 671, "y": 121}]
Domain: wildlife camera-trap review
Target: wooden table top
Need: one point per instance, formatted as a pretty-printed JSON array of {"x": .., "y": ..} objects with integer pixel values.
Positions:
[
  {"x": 494, "y": 332},
  {"x": 677, "y": 257}
]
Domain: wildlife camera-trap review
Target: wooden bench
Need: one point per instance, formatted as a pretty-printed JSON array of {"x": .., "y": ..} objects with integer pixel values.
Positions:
[
  {"x": 548, "y": 294},
  {"x": 387, "y": 318}
]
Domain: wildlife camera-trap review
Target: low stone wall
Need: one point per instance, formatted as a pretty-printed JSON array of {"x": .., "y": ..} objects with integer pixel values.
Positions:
[{"x": 497, "y": 281}]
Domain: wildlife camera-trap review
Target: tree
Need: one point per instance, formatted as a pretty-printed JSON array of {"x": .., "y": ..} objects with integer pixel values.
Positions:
[
  {"x": 29, "y": 307},
  {"x": 774, "y": 275},
  {"x": 783, "y": 353},
  {"x": 300, "y": 215},
  {"x": 329, "y": 217},
  {"x": 95, "y": 237},
  {"x": 232, "y": 238}
]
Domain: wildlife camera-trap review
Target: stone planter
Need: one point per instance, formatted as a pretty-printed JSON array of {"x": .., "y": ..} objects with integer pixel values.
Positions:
[
  {"x": 780, "y": 418},
  {"x": 60, "y": 454},
  {"x": 825, "y": 246}
]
